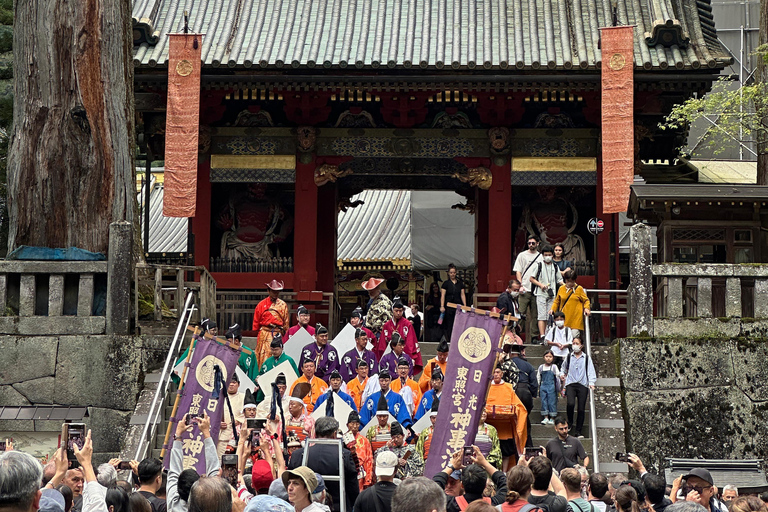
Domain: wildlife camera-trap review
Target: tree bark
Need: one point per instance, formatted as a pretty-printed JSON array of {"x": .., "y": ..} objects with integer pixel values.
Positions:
[
  {"x": 762, "y": 78},
  {"x": 70, "y": 167}
]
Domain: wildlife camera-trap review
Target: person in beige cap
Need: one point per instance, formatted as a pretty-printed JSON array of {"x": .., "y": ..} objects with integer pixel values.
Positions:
[
  {"x": 383, "y": 489},
  {"x": 300, "y": 483}
]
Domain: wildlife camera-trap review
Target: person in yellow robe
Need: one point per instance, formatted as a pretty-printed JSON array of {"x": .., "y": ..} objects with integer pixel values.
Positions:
[
  {"x": 411, "y": 398},
  {"x": 507, "y": 413},
  {"x": 424, "y": 441},
  {"x": 362, "y": 450},
  {"x": 318, "y": 386},
  {"x": 572, "y": 300},
  {"x": 269, "y": 318},
  {"x": 441, "y": 360}
]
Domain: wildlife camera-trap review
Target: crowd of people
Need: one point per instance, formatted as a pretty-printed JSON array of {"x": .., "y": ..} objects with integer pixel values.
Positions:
[{"x": 288, "y": 481}]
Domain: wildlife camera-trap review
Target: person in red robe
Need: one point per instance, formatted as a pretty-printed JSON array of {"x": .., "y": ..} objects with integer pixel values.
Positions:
[
  {"x": 398, "y": 323},
  {"x": 269, "y": 318},
  {"x": 302, "y": 316}
]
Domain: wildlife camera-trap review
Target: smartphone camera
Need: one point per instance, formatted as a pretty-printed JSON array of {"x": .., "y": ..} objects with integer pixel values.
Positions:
[
  {"x": 229, "y": 468},
  {"x": 622, "y": 457},
  {"x": 2, "y": 446},
  {"x": 255, "y": 426},
  {"x": 75, "y": 437},
  {"x": 123, "y": 465},
  {"x": 466, "y": 456},
  {"x": 189, "y": 417},
  {"x": 531, "y": 452}
]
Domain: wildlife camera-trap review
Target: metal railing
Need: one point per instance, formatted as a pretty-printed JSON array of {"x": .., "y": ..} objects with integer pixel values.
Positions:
[{"x": 149, "y": 431}]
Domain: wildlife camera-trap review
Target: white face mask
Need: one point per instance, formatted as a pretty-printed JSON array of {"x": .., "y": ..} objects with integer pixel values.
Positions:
[
  {"x": 514, "y": 294},
  {"x": 547, "y": 259},
  {"x": 559, "y": 323},
  {"x": 577, "y": 349}
]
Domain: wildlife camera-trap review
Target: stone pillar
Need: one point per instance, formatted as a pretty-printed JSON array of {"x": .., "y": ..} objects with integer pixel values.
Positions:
[
  {"x": 674, "y": 297},
  {"x": 733, "y": 297},
  {"x": 761, "y": 298},
  {"x": 120, "y": 260},
  {"x": 704, "y": 297},
  {"x": 640, "y": 281},
  {"x": 499, "y": 227}
]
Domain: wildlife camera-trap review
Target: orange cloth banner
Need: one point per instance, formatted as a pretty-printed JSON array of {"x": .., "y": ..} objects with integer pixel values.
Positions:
[
  {"x": 182, "y": 124},
  {"x": 618, "y": 130}
]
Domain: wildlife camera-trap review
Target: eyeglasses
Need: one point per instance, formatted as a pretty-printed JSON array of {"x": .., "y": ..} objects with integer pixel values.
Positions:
[{"x": 531, "y": 243}]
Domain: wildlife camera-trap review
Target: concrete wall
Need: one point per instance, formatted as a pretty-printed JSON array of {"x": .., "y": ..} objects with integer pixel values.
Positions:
[
  {"x": 104, "y": 373},
  {"x": 695, "y": 397}
]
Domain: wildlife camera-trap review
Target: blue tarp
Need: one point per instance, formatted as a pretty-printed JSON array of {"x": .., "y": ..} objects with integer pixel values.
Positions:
[{"x": 27, "y": 252}]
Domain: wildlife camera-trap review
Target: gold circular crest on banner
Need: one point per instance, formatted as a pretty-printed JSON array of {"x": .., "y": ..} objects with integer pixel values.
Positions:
[
  {"x": 617, "y": 62},
  {"x": 184, "y": 67},
  {"x": 204, "y": 372},
  {"x": 474, "y": 344}
]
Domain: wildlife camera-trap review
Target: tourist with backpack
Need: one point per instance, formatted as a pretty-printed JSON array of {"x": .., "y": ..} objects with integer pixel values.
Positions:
[
  {"x": 571, "y": 479},
  {"x": 548, "y": 377},
  {"x": 544, "y": 281},
  {"x": 543, "y": 478},
  {"x": 578, "y": 378},
  {"x": 559, "y": 339},
  {"x": 519, "y": 481}
]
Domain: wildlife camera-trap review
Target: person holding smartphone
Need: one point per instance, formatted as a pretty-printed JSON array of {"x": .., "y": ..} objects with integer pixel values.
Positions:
[{"x": 177, "y": 494}]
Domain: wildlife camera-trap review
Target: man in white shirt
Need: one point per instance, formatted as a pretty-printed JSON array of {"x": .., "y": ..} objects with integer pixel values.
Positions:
[
  {"x": 524, "y": 267},
  {"x": 236, "y": 399},
  {"x": 544, "y": 279},
  {"x": 559, "y": 339}
]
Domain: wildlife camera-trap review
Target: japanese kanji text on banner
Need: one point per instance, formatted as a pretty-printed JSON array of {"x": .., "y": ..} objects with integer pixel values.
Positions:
[
  {"x": 201, "y": 393},
  {"x": 618, "y": 131},
  {"x": 471, "y": 357},
  {"x": 182, "y": 124}
]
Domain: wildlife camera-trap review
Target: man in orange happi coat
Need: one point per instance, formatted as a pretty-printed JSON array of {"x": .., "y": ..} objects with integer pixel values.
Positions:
[
  {"x": 317, "y": 385},
  {"x": 507, "y": 413},
  {"x": 269, "y": 318}
]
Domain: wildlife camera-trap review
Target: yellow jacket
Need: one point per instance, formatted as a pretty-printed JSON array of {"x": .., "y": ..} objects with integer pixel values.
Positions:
[{"x": 574, "y": 306}]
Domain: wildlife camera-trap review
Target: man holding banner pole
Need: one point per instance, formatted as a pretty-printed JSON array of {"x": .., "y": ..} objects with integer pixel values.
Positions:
[{"x": 475, "y": 343}]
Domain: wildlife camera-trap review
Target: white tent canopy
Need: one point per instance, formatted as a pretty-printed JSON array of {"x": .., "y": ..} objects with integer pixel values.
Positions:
[{"x": 419, "y": 226}]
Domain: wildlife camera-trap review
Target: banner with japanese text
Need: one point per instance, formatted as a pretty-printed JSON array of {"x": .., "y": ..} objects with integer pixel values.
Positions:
[
  {"x": 211, "y": 362},
  {"x": 472, "y": 354},
  {"x": 618, "y": 129}
]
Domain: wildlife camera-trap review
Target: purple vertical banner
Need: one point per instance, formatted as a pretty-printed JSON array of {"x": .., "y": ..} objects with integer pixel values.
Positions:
[
  {"x": 197, "y": 396},
  {"x": 474, "y": 346}
]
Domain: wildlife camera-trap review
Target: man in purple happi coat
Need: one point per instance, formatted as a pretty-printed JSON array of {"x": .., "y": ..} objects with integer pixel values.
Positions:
[
  {"x": 390, "y": 360},
  {"x": 350, "y": 359},
  {"x": 322, "y": 353}
]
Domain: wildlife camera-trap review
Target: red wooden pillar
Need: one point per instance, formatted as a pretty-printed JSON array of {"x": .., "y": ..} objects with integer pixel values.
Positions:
[
  {"x": 481, "y": 239},
  {"x": 499, "y": 227},
  {"x": 201, "y": 222},
  {"x": 305, "y": 230},
  {"x": 327, "y": 234}
]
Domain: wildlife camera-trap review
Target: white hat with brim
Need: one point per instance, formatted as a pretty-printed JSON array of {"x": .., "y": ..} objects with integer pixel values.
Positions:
[{"x": 386, "y": 462}]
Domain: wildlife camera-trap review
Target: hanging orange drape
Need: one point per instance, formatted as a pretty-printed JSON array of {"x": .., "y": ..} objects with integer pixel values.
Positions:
[
  {"x": 618, "y": 131},
  {"x": 182, "y": 124}
]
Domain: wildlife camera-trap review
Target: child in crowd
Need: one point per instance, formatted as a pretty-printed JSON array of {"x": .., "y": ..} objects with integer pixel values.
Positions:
[{"x": 549, "y": 382}]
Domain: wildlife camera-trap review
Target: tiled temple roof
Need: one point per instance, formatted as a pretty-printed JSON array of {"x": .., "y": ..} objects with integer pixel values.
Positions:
[{"x": 432, "y": 35}]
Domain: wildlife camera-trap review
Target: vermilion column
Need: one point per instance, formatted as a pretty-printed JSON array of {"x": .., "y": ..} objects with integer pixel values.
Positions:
[
  {"x": 500, "y": 227},
  {"x": 201, "y": 222},
  {"x": 305, "y": 228}
]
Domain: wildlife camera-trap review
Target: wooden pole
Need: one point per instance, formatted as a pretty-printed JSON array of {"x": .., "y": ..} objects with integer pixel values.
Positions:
[
  {"x": 222, "y": 341},
  {"x": 181, "y": 386}
]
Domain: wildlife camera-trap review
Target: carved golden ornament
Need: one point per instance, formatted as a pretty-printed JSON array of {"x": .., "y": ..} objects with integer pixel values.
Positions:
[
  {"x": 479, "y": 177},
  {"x": 474, "y": 344},
  {"x": 328, "y": 173},
  {"x": 617, "y": 62},
  {"x": 184, "y": 67}
]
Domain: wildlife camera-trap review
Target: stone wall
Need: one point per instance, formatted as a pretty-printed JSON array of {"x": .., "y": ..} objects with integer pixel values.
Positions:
[
  {"x": 695, "y": 397},
  {"x": 104, "y": 373}
]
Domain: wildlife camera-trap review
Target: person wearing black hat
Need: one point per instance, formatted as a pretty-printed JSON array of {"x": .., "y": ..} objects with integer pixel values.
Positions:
[
  {"x": 362, "y": 386},
  {"x": 226, "y": 429},
  {"x": 439, "y": 361},
  {"x": 302, "y": 322},
  {"x": 425, "y": 404},
  {"x": 356, "y": 320},
  {"x": 378, "y": 434},
  {"x": 322, "y": 353},
  {"x": 402, "y": 326},
  {"x": 395, "y": 403},
  {"x": 408, "y": 465},
  {"x": 247, "y": 360},
  {"x": 362, "y": 450},
  {"x": 207, "y": 328},
  {"x": 699, "y": 486},
  {"x": 278, "y": 356},
  {"x": 391, "y": 360},
  {"x": 335, "y": 387},
  {"x": 358, "y": 352},
  {"x": 406, "y": 386}
]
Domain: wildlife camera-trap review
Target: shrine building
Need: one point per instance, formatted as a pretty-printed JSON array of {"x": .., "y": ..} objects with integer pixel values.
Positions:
[{"x": 305, "y": 104}]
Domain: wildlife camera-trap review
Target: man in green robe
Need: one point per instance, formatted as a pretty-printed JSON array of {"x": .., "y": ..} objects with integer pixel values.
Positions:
[{"x": 278, "y": 356}]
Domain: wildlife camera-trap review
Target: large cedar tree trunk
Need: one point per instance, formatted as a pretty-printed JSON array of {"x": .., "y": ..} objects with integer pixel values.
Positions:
[
  {"x": 762, "y": 77},
  {"x": 70, "y": 167}
]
